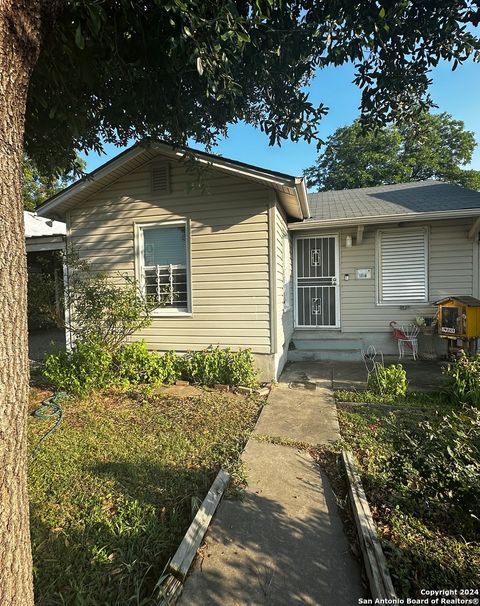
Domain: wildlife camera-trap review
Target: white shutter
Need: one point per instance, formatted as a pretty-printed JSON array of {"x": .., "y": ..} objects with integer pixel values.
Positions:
[{"x": 403, "y": 266}]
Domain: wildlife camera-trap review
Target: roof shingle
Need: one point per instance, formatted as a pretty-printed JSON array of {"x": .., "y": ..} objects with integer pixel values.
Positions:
[{"x": 390, "y": 200}]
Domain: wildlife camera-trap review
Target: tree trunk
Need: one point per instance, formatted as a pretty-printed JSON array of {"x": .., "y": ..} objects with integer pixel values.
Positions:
[{"x": 19, "y": 46}]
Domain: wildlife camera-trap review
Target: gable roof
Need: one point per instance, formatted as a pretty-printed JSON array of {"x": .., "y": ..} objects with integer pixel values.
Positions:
[
  {"x": 292, "y": 192},
  {"x": 387, "y": 203}
]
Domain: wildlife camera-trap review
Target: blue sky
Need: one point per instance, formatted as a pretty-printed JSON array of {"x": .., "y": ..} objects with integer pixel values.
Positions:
[{"x": 457, "y": 93}]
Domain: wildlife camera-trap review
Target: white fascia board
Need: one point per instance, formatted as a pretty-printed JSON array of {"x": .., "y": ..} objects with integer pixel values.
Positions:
[
  {"x": 301, "y": 187},
  {"x": 375, "y": 219},
  {"x": 246, "y": 172}
]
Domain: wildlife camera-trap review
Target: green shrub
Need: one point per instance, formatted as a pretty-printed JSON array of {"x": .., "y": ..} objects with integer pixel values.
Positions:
[
  {"x": 438, "y": 462},
  {"x": 215, "y": 365},
  {"x": 389, "y": 381},
  {"x": 79, "y": 371},
  {"x": 103, "y": 311},
  {"x": 89, "y": 366},
  {"x": 133, "y": 364},
  {"x": 241, "y": 369},
  {"x": 463, "y": 380},
  {"x": 172, "y": 367}
]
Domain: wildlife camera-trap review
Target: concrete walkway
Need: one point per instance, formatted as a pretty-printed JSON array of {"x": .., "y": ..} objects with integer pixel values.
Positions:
[
  {"x": 422, "y": 375},
  {"x": 283, "y": 543}
]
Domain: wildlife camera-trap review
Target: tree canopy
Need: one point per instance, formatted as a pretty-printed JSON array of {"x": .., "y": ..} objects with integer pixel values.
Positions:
[
  {"x": 38, "y": 187},
  {"x": 433, "y": 146},
  {"x": 179, "y": 69}
]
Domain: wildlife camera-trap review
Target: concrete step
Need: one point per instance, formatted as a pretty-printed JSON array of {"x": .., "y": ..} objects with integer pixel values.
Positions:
[
  {"x": 327, "y": 343},
  {"x": 325, "y": 355},
  {"x": 313, "y": 335}
]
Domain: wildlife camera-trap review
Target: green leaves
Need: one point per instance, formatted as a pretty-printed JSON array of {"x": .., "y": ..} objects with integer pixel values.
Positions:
[
  {"x": 79, "y": 39},
  {"x": 38, "y": 186},
  {"x": 132, "y": 69},
  {"x": 428, "y": 146}
]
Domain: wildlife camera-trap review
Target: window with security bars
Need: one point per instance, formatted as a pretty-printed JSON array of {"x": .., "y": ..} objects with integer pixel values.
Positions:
[
  {"x": 164, "y": 269},
  {"x": 402, "y": 258}
]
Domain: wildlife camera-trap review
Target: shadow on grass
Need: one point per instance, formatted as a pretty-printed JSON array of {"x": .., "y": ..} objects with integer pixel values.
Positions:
[{"x": 116, "y": 552}]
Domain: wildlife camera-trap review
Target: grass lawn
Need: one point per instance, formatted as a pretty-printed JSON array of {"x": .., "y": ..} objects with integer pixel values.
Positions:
[
  {"x": 113, "y": 489},
  {"x": 421, "y": 471}
]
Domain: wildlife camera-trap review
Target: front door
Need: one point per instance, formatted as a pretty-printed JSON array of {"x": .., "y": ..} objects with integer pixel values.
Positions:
[{"x": 316, "y": 276}]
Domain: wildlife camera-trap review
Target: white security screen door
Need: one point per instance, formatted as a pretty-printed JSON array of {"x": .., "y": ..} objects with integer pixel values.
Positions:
[{"x": 317, "y": 294}]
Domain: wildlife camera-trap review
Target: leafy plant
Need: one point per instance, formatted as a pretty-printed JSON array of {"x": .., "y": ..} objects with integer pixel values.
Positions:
[
  {"x": 421, "y": 473},
  {"x": 440, "y": 463},
  {"x": 430, "y": 146},
  {"x": 45, "y": 290},
  {"x": 463, "y": 380},
  {"x": 86, "y": 367},
  {"x": 388, "y": 381},
  {"x": 41, "y": 300},
  {"x": 134, "y": 365},
  {"x": 102, "y": 311},
  {"x": 215, "y": 365},
  {"x": 89, "y": 366}
]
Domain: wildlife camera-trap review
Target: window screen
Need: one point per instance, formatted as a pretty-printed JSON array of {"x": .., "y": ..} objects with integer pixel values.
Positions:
[{"x": 164, "y": 266}]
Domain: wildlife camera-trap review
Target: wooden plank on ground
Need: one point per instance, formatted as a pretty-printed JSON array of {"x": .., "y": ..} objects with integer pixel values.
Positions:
[
  {"x": 376, "y": 567},
  {"x": 170, "y": 591},
  {"x": 183, "y": 558}
]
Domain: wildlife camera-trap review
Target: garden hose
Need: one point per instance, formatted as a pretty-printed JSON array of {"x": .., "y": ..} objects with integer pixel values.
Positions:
[{"x": 49, "y": 409}]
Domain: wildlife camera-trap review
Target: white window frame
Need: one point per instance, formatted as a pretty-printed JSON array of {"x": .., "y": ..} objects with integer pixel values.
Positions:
[
  {"x": 378, "y": 268},
  {"x": 287, "y": 273},
  {"x": 139, "y": 264}
]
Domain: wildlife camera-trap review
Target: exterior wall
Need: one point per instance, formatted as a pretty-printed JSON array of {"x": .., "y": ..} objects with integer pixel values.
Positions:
[
  {"x": 453, "y": 270},
  {"x": 284, "y": 316},
  {"x": 229, "y": 254}
]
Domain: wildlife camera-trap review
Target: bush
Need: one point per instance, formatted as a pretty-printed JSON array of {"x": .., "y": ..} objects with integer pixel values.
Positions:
[
  {"x": 103, "y": 311},
  {"x": 388, "y": 381},
  {"x": 133, "y": 364},
  {"x": 441, "y": 460},
  {"x": 215, "y": 365},
  {"x": 87, "y": 367},
  {"x": 463, "y": 380}
]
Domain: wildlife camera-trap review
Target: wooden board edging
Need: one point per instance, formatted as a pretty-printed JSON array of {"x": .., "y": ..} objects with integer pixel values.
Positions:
[
  {"x": 381, "y": 586},
  {"x": 182, "y": 560}
]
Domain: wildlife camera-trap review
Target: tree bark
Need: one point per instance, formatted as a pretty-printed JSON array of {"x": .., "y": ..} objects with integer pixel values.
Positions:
[{"x": 19, "y": 46}]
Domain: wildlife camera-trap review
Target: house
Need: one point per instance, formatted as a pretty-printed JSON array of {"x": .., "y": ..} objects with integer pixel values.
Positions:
[{"x": 249, "y": 259}]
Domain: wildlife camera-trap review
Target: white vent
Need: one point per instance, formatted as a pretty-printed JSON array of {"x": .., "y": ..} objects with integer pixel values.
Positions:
[
  {"x": 403, "y": 266},
  {"x": 161, "y": 178}
]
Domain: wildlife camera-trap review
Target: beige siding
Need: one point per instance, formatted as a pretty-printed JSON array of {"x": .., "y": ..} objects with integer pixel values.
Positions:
[
  {"x": 229, "y": 253},
  {"x": 452, "y": 267},
  {"x": 284, "y": 323}
]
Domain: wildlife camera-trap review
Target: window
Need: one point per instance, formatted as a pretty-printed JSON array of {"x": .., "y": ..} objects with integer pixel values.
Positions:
[
  {"x": 287, "y": 273},
  {"x": 402, "y": 266},
  {"x": 162, "y": 253}
]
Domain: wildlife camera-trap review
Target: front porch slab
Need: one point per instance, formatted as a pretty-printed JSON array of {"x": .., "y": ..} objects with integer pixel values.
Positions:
[{"x": 421, "y": 375}]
